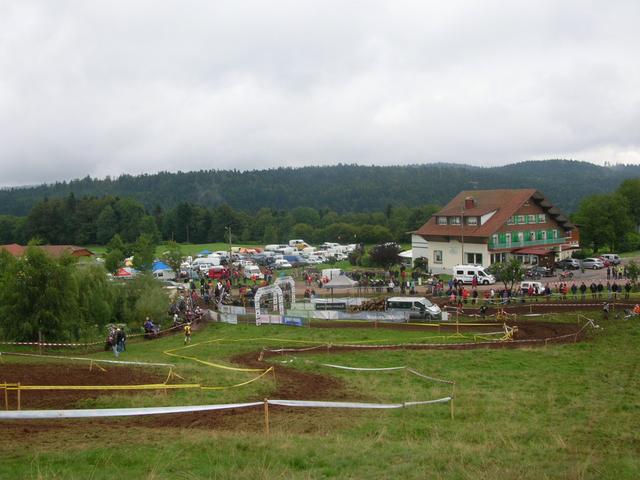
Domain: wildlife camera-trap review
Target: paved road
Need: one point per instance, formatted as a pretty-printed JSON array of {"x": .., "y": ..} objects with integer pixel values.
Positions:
[{"x": 588, "y": 276}]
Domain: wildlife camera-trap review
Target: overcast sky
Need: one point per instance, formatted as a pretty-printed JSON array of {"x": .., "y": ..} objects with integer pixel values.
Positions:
[{"x": 108, "y": 87}]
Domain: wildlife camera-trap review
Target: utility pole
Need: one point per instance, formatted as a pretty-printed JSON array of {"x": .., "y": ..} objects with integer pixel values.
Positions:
[
  {"x": 462, "y": 232},
  {"x": 228, "y": 229}
]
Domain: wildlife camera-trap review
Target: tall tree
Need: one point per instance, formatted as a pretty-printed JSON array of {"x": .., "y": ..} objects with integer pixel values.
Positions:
[
  {"x": 385, "y": 254},
  {"x": 143, "y": 252},
  {"x": 106, "y": 225},
  {"x": 630, "y": 189},
  {"x": 38, "y": 297},
  {"x": 508, "y": 272},
  {"x": 603, "y": 221},
  {"x": 173, "y": 256}
]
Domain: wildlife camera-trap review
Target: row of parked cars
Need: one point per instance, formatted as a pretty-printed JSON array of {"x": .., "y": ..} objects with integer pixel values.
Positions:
[{"x": 606, "y": 260}]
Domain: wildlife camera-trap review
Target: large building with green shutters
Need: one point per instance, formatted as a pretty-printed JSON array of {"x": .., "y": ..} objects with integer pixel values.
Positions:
[{"x": 487, "y": 226}]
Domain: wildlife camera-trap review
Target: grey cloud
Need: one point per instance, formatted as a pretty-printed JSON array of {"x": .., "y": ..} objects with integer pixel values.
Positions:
[{"x": 104, "y": 88}]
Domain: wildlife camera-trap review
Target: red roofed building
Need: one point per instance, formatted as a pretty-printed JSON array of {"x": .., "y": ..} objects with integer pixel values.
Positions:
[
  {"x": 14, "y": 249},
  {"x": 53, "y": 250},
  {"x": 487, "y": 226}
]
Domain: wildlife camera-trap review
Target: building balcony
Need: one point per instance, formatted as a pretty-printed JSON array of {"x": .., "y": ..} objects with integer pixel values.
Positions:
[{"x": 529, "y": 243}]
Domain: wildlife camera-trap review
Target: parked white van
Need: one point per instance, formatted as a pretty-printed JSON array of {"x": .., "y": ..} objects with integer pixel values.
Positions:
[
  {"x": 417, "y": 307},
  {"x": 251, "y": 270},
  {"x": 164, "y": 275},
  {"x": 205, "y": 263},
  {"x": 465, "y": 274},
  {"x": 538, "y": 289}
]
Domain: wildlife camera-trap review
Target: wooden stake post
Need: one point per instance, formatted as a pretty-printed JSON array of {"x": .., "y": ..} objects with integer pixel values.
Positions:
[
  {"x": 453, "y": 388},
  {"x": 266, "y": 417}
]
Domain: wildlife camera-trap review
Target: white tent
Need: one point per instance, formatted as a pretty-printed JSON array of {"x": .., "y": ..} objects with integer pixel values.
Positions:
[{"x": 341, "y": 281}]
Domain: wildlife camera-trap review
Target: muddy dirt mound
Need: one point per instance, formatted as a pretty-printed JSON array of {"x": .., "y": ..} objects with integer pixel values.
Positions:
[{"x": 61, "y": 374}]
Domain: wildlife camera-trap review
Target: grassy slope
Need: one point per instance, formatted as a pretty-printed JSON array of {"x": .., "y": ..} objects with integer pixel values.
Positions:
[{"x": 556, "y": 412}]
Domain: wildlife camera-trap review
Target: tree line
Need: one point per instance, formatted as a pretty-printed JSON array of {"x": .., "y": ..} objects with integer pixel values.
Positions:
[
  {"x": 91, "y": 220},
  {"x": 42, "y": 297},
  {"x": 340, "y": 188},
  {"x": 606, "y": 221},
  {"x": 611, "y": 221}
]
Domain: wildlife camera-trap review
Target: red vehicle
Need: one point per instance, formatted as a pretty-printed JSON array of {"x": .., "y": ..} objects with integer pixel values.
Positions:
[
  {"x": 606, "y": 261},
  {"x": 218, "y": 272}
]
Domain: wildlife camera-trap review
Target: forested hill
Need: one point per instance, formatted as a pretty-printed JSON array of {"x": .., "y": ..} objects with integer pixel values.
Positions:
[{"x": 340, "y": 188}]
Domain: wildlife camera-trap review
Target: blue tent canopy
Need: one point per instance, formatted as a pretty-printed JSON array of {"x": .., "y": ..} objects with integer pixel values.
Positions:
[
  {"x": 160, "y": 266},
  {"x": 205, "y": 252}
]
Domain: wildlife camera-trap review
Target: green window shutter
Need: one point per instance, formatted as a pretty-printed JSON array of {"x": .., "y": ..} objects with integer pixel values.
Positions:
[{"x": 502, "y": 238}]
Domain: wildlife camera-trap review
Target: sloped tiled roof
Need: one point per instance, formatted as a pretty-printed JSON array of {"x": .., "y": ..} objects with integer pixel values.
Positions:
[
  {"x": 14, "y": 249},
  {"x": 54, "y": 250},
  {"x": 504, "y": 203}
]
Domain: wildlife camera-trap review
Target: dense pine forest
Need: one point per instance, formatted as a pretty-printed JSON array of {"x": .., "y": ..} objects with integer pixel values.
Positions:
[
  {"x": 341, "y": 188},
  {"x": 348, "y": 204}
]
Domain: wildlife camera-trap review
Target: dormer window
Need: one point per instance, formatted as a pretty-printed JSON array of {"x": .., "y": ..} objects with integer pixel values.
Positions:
[
  {"x": 442, "y": 220},
  {"x": 472, "y": 221},
  {"x": 454, "y": 220}
]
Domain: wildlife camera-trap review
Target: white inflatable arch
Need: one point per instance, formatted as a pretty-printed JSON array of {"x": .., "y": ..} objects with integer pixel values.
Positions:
[
  {"x": 278, "y": 299},
  {"x": 292, "y": 283}
]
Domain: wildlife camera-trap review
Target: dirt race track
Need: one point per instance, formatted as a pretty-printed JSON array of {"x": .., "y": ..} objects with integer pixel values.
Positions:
[{"x": 291, "y": 384}]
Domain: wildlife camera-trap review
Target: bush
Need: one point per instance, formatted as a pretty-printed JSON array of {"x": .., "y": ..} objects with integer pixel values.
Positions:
[
  {"x": 631, "y": 242},
  {"x": 579, "y": 254}
]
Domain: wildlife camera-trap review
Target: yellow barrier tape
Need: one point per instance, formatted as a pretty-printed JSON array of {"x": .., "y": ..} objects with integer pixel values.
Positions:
[
  {"x": 270, "y": 369},
  {"x": 204, "y": 362},
  {"x": 157, "y": 386},
  {"x": 171, "y": 353}
]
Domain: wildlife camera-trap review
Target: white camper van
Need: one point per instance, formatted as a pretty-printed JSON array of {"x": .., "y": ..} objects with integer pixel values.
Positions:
[
  {"x": 416, "y": 307},
  {"x": 465, "y": 274},
  {"x": 205, "y": 263},
  {"x": 164, "y": 275}
]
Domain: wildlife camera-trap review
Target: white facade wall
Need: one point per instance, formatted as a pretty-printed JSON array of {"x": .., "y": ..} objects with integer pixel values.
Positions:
[
  {"x": 419, "y": 248},
  {"x": 452, "y": 255}
]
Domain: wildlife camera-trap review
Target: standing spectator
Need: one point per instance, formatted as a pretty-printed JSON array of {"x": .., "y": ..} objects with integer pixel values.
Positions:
[{"x": 119, "y": 342}]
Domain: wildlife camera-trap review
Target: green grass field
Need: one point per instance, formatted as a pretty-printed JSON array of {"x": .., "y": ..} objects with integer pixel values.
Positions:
[{"x": 561, "y": 411}]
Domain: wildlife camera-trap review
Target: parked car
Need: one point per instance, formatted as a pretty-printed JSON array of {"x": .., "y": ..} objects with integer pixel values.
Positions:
[
  {"x": 605, "y": 262},
  {"x": 251, "y": 271},
  {"x": 593, "y": 263},
  {"x": 568, "y": 264},
  {"x": 538, "y": 289},
  {"x": 538, "y": 271},
  {"x": 613, "y": 258},
  {"x": 171, "y": 285},
  {"x": 281, "y": 263}
]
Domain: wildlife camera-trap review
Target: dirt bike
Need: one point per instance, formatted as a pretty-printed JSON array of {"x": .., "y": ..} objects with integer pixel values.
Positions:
[{"x": 566, "y": 275}]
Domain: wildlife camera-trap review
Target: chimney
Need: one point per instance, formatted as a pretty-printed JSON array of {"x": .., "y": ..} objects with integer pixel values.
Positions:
[{"x": 469, "y": 203}]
